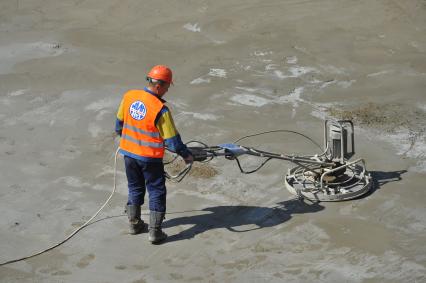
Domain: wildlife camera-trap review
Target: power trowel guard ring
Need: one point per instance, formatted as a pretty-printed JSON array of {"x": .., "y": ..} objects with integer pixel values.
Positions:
[
  {"x": 346, "y": 180},
  {"x": 326, "y": 176}
]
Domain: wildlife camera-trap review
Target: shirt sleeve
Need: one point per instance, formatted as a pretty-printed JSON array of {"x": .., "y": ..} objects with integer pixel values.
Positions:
[
  {"x": 169, "y": 133},
  {"x": 120, "y": 112},
  {"x": 120, "y": 118}
]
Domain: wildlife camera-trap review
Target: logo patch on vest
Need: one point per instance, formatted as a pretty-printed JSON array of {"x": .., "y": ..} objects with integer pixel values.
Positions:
[{"x": 137, "y": 110}]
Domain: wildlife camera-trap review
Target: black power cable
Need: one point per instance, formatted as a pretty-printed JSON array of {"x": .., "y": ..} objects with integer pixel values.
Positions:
[
  {"x": 254, "y": 170},
  {"x": 231, "y": 156},
  {"x": 280, "y": 131}
]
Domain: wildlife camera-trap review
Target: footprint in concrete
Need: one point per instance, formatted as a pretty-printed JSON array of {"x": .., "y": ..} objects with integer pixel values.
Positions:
[
  {"x": 238, "y": 264},
  {"x": 55, "y": 272},
  {"x": 46, "y": 270},
  {"x": 176, "y": 262},
  {"x": 176, "y": 276},
  {"x": 278, "y": 275},
  {"x": 43, "y": 164},
  {"x": 85, "y": 261},
  {"x": 7, "y": 141},
  {"x": 120, "y": 267},
  {"x": 77, "y": 224},
  {"x": 140, "y": 266},
  {"x": 196, "y": 279},
  {"x": 263, "y": 248},
  {"x": 61, "y": 273}
]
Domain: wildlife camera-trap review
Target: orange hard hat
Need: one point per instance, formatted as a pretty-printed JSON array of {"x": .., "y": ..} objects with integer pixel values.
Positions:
[{"x": 161, "y": 73}]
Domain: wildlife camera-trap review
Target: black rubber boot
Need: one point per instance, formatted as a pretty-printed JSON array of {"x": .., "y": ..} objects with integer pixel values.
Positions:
[
  {"x": 136, "y": 225},
  {"x": 156, "y": 235}
]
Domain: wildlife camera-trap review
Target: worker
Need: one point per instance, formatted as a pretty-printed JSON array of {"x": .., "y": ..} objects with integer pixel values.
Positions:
[{"x": 146, "y": 127}]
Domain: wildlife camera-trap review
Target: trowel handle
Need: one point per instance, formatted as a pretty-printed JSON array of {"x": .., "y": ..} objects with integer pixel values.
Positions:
[{"x": 198, "y": 153}]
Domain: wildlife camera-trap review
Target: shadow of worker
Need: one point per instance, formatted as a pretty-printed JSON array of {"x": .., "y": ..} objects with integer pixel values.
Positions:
[{"x": 233, "y": 217}]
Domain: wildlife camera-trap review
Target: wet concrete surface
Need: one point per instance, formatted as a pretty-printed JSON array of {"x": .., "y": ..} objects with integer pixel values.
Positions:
[{"x": 240, "y": 67}]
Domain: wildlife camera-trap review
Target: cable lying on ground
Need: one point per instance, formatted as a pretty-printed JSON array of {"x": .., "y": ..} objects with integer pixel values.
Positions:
[
  {"x": 203, "y": 153},
  {"x": 79, "y": 228}
]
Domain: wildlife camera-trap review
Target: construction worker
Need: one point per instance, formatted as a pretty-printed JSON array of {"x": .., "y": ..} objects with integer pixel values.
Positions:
[{"x": 146, "y": 127}]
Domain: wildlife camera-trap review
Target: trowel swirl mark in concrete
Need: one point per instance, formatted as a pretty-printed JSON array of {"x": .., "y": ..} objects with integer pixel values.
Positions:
[
  {"x": 220, "y": 73},
  {"x": 72, "y": 181},
  {"x": 360, "y": 266},
  {"x": 202, "y": 116},
  {"x": 196, "y": 28},
  {"x": 327, "y": 83},
  {"x": 218, "y": 187},
  {"x": 343, "y": 84},
  {"x": 213, "y": 72},
  {"x": 293, "y": 97},
  {"x": 291, "y": 60},
  {"x": 346, "y": 84},
  {"x": 307, "y": 233},
  {"x": 46, "y": 112},
  {"x": 250, "y": 99},
  {"x": 102, "y": 107},
  {"x": 333, "y": 69},
  {"x": 204, "y": 194},
  {"x": 422, "y": 107},
  {"x": 105, "y": 103},
  {"x": 177, "y": 102},
  {"x": 408, "y": 144},
  {"x": 320, "y": 110},
  {"x": 295, "y": 72},
  {"x": 21, "y": 52},
  {"x": 353, "y": 264},
  {"x": 200, "y": 80},
  {"x": 18, "y": 92},
  {"x": 109, "y": 171},
  {"x": 271, "y": 67},
  {"x": 261, "y": 53},
  {"x": 85, "y": 260},
  {"x": 381, "y": 73},
  {"x": 264, "y": 91},
  {"x": 192, "y": 27},
  {"x": 263, "y": 56},
  {"x": 420, "y": 167},
  {"x": 94, "y": 130},
  {"x": 400, "y": 216}
]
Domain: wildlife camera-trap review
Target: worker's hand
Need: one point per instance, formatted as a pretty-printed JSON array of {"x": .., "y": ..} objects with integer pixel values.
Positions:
[
  {"x": 116, "y": 137},
  {"x": 189, "y": 159}
]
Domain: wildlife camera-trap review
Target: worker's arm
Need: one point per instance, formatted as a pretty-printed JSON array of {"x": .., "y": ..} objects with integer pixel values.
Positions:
[
  {"x": 119, "y": 120},
  {"x": 168, "y": 132}
]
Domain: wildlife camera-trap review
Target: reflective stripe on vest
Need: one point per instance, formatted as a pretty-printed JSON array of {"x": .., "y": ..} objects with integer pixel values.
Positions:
[
  {"x": 143, "y": 143},
  {"x": 140, "y": 135},
  {"x": 133, "y": 128}
]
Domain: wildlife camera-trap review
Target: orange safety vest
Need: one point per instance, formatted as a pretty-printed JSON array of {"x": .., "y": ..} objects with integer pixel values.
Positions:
[{"x": 140, "y": 136}]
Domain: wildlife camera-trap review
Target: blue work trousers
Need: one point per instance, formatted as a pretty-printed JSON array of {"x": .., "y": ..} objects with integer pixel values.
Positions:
[{"x": 142, "y": 175}]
